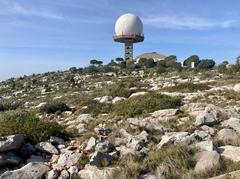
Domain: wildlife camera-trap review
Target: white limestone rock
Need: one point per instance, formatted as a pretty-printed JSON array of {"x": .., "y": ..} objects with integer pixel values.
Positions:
[
  {"x": 29, "y": 171},
  {"x": 46, "y": 147},
  {"x": 206, "y": 160},
  {"x": 11, "y": 142}
]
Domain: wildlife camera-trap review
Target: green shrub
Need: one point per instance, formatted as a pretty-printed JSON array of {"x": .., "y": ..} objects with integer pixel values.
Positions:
[
  {"x": 9, "y": 105},
  {"x": 178, "y": 160},
  {"x": 206, "y": 64},
  {"x": 121, "y": 89},
  {"x": 34, "y": 129},
  {"x": 189, "y": 60},
  {"x": 128, "y": 168},
  {"x": 177, "y": 156},
  {"x": 187, "y": 87},
  {"x": 95, "y": 108},
  {"x": 14, "y": 115},
  {"x": 160, "y": 70},
  {"x": 147, "y": 63},
  {"x": 52, "y": 107},
  {"x": 148, "y": 103}
]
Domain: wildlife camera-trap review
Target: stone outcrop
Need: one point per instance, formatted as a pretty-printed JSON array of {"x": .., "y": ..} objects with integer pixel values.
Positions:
[
  {"x": 11, "y": 142},
  {"x": 230, "y": 152},
  {"x": 92, "y": 172},
  {"x": 176, "y": 137},
  {"x": 47, "y": 147},
  {"x": 207, "y": 160},
  {"x": 29, "y": 171}
]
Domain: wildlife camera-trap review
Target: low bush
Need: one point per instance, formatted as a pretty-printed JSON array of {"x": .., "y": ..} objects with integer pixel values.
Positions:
[
  {"x": 34, "y": 129},
  {"x": 121, "y": 89},
  {"x": 175, "y": 162},
  {"x": 9, "y": 105},
  {"x": 128, "y": 168},
  {"x": 13, "y": 115},
  {"x": 84, "y": 159},
  {"x": 95, "y": 108},
  {"x": 187, "y": 87},
  {"x": 52, "y": 107},
  {"x": 148, "y": 103},
  {"x": 177, "y": 159}
]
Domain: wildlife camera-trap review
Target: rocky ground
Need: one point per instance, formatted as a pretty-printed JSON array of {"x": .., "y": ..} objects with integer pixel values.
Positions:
[{"x": 126, "y": 125}]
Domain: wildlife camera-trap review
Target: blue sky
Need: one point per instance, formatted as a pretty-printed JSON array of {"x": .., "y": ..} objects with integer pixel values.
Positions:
[{"x": 47, "y": 35}]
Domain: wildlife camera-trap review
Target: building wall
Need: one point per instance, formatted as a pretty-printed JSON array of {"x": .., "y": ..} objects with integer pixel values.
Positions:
[{"x": 155, "y": 59}]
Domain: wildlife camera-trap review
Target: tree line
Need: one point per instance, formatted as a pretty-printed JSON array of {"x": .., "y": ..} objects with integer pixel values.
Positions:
[{"x": 170, "y": 63}]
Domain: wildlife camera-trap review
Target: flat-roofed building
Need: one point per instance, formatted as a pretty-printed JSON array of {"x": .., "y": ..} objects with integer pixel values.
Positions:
[{"x": 152, "y": 55}]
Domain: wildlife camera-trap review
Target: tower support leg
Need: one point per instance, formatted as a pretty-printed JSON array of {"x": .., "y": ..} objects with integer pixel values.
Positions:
[{"x": 129, "y": 51}]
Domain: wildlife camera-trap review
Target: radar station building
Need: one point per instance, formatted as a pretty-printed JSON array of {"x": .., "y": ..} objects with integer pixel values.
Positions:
[{"x": 129, "y": 30}]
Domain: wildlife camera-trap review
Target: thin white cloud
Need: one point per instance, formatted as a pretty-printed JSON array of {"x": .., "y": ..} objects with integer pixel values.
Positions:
[
  {"x": 16, "y": 9},
  {"x": 177, "y": 22}
]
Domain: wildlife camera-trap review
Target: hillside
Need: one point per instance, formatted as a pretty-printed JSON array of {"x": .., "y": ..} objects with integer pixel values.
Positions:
[{"x": 122, "y": 124}]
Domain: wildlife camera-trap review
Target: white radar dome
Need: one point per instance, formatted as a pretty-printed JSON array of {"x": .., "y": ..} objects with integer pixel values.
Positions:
[{"x": 128, "y": 24}]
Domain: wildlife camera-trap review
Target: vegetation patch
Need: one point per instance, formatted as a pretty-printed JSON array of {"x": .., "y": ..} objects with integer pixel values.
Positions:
[
  {"x": 128, "y": 168},
  {"x": 53, "y": 107},
  {"x": 174, "y": 162},
  {"x": 95, "y": 108},
  {"x": 187, "y": 87},
  {"x": 34, "y": 129},
  {"x": 6, "y": 105},
  {"x": 121, "y": 89},
  {"x": 177, "y": 160},
  {"x": 141, "y": 105}
]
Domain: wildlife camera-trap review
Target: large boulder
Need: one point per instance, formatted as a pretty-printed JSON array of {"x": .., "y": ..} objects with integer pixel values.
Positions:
[
  {"x": 202, "y": 134},
  {"x": 68, "y": 159},
  {"x": 100, "y": 159},
  {"x": 206, "y": 160},
  {"x": 208, "y": 117},
  {"x": 92, "y": 172},
  {"x": 176, "y": 137},
  {"x": 148, "y": 123},
  {"x": 237, "y": 87},
  {"x": 11, "y": 142},
  {"x": 46, "y": 147},
  {"x": 84, "y": 118},
  {"x": 230, "y": 152},
  {"x": 232, "y": 175},
  {"x": 194, "y": 109},
  {"x": 134, "y": 144},
  {"x": 118, "y": 99},
  {"x": 138, "y": 94},
  {"x": 211, "y": 131},
  {"x": 233, "y": 123},
  {"x": 9, "y": 159},
  {"x": 228, "y": 135},
  {"x": 29, "y": 171},
  {"x": 165, "y": 114},
  {"x": 205, "y": 145}
]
